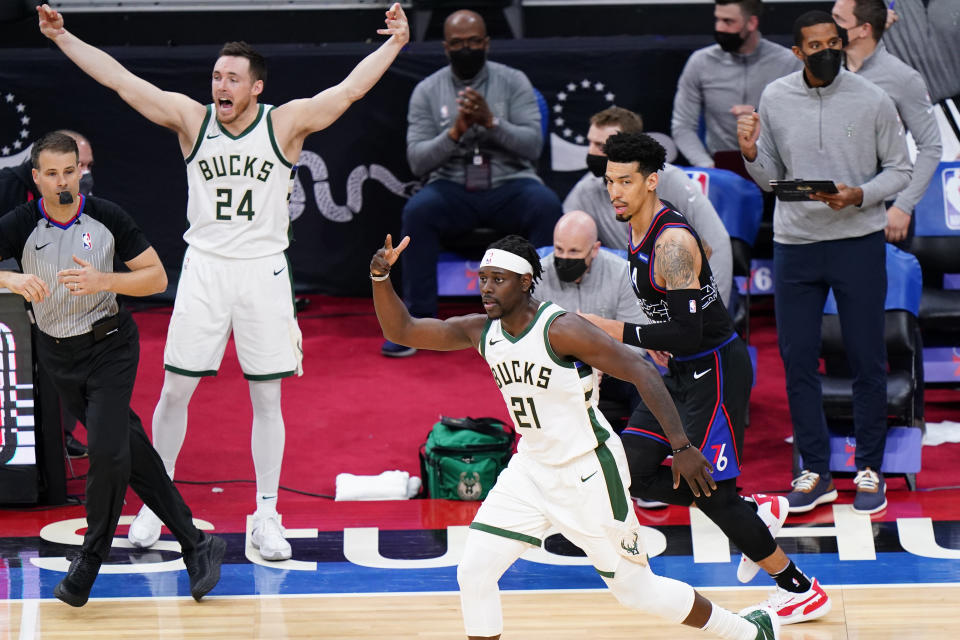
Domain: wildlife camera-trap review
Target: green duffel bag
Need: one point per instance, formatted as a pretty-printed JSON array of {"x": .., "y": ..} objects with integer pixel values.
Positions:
[{"x": 462, "y": 457}]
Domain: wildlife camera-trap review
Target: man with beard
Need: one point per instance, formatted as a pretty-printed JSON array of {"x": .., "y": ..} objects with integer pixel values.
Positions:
[
  {"x": 569, "y": 472},
  {"x": 827, "y": 123},
  {"x": 235, "y": 278},
  {"x": 724, "y": 80},
  {"x": 475, "y": 131}
]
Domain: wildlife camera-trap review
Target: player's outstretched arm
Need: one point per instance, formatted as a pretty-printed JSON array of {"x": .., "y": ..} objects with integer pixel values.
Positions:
[
  {"x": 172, "y": 110},
  {"x": 573, "y": 336},
  {"x": 297, "y": 119},
  {"x": 399, "y": 326}
]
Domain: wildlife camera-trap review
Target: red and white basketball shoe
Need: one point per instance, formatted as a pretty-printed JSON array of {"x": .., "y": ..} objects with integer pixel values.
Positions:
[
  {"x": 792, "y": 608},
  {"x": 773, "y": 511}
]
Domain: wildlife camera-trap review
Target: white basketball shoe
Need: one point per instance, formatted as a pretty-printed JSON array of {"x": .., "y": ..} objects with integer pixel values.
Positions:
[
  {"x": 773, "y": 511},
  {"x": 267, "y": 536},
  {"x": 145, "y": 529}
]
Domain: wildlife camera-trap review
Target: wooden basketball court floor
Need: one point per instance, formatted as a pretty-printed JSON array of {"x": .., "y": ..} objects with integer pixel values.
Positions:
[
  {"x": 916, "y": 612},
  {"x": 388, "y": 570}
]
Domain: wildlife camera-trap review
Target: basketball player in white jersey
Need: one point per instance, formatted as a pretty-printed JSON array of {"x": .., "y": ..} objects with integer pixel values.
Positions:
[
  {"x": 570, "y": 472},
  {"x": 235, "y": 275}
]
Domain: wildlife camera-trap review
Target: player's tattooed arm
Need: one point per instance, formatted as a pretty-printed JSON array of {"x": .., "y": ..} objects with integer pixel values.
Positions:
[{"x": 677, "y": 260}]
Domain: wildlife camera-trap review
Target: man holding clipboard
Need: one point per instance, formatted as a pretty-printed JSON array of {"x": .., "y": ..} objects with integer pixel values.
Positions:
[{"x": 826, "y": 124}]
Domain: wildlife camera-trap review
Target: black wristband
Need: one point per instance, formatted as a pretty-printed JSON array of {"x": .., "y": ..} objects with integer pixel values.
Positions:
[{"x": 683, "y": 448}]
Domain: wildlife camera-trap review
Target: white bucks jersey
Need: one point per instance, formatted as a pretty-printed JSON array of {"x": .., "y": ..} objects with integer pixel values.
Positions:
[
  {"x": 238, "y": 190},
  {"x": 553, "y": 401}
]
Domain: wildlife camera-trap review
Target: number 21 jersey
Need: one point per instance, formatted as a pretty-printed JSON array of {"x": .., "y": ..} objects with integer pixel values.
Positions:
[
  {"x": 238, "y": 190},
  {"x": 552, "y": 400}
]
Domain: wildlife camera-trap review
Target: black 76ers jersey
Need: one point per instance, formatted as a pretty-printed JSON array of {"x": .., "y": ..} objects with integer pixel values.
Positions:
[{"x": 717, "y": 325}]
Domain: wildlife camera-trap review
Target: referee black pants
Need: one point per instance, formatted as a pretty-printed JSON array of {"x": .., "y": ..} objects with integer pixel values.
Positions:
[{"x": 95, "y": 381}]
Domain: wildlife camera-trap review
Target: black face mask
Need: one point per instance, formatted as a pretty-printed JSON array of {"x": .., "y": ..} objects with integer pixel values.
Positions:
[
  {"x": 86, "y": 183},
  {"x": 597, "y": 165},
  {"x": 729, "y": 42},
  {"x": 569, "y": 269},
  {"x": 825, "y": 65},
  {"x": 467, "y": 62},
  {"x": 844, "y": 36}
]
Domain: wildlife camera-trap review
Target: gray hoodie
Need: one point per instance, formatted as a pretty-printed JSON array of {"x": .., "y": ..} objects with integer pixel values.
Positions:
[
  {"x": 905, "y": 85},
  {"x": 712, "y": 82},
  {"x": 842, "y": 132},
  {"x": 513, "y": 143}
]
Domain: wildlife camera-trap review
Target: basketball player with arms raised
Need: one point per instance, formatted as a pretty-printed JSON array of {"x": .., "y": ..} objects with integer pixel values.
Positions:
[
  {"x": 710, "y": 375},
  {"x": 235, "y": 276},
  {"x": 570, "y": 471}
]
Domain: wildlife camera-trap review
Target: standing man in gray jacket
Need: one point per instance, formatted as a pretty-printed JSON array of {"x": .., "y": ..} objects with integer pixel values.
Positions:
[
  {"x": 474, "y": 129},
  {"x": 725, "y": 80},
  {"x": 590, "y": 195},
  {"x": 827, "y": 123},
  {"x": 863, "y": 21}
]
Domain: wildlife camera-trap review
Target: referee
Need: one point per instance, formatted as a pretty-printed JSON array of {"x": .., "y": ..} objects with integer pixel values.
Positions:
[{"x": 65, "y": 244}]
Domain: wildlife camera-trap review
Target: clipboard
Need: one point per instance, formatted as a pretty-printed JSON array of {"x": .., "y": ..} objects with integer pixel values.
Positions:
[{"x": 800, "y": 190}]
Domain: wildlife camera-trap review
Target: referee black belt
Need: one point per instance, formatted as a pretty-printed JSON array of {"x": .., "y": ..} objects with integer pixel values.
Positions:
[{"x": 100, "y": 330}]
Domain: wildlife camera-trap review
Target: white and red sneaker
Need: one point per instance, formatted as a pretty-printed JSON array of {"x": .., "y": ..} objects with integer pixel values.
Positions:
[
  {"x": 792, "y": 608},
  {"x": 773, "y": 511}
]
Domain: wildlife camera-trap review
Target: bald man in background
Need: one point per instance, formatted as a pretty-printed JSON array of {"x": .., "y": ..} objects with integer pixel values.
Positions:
[{"x": 580, "y": 277}]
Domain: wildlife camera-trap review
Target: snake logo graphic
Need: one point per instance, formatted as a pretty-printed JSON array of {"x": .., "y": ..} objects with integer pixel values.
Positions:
[{"x": 317, "y": 174}]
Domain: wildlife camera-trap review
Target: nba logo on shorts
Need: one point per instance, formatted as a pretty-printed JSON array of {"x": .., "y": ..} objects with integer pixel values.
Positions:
[
  {"x": 87, "y": 242},
  {"x": 951, "y": 197}
]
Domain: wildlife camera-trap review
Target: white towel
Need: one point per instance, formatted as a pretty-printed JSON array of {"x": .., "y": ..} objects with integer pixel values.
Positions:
[
  {"x": 941, "y": 432},
  {"x": 389, "y": 485}
]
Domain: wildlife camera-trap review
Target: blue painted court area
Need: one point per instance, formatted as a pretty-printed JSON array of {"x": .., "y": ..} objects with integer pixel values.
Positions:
[{"x": 348, "y": 578}]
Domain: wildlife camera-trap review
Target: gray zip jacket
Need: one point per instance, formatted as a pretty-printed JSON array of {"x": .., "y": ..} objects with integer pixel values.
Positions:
[
  {"x": 604, "y": 289},
  {"x": 842, "y": 132},
  {"x": 675, "y": 186},
  {"x": 712, "y": 82},
  {"x": 905, "y": 85},
  {"x": 513, "y": 143}
]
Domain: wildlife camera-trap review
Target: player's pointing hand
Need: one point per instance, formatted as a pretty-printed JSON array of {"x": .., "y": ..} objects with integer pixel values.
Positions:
[{"x": 385, "y": 257}]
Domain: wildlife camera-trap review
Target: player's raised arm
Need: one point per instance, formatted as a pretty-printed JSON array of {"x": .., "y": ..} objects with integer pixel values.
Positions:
[
  {"x": 296, "y": 119},
  {"x": 172, "y": 110},
  {"x": 399, "y": 326}
]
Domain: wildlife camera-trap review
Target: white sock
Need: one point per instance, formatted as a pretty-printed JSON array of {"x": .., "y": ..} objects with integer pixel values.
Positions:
[
  {"x": 729, "y": 625},
  {"x": 266, "y": 504},
  {"x": 266, "y": 441},
  {"x": 170, "y": 417}
]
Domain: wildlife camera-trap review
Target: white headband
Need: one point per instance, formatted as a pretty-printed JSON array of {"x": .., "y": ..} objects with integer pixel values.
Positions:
[{"x": 506, "y": 260}]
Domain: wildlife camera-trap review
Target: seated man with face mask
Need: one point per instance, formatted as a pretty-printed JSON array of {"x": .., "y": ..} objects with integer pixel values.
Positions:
[
  {"x": 474, "y": 133},
  {"x": 580, "y": 277}
]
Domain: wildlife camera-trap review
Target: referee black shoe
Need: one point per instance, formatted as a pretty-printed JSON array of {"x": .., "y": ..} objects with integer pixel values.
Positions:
[
  {"x": 75, "y": 448},
  {"x": 203, "y": 564},
  {"x": 74, "y": 589}
]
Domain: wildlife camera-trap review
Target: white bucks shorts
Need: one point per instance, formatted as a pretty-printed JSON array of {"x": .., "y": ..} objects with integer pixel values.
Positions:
[
  {"x": 253, "y": 298},
  {"x": 586, "y": 500}
]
